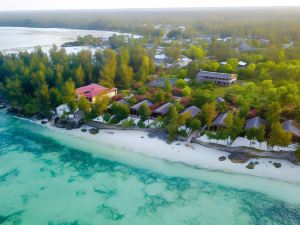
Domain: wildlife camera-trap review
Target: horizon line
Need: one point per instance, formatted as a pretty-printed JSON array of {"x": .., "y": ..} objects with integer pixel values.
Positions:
[{"x": 156, "y": 8}]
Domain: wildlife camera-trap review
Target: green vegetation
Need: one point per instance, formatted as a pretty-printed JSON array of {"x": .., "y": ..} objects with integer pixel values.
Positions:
[{"x": 268, "y": 76}]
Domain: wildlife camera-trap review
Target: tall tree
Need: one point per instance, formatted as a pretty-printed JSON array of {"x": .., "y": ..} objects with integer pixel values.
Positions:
[
  {"x": 144, "y": 111},
  {"x": 69, "y": 94},
  {"x": 171, "y": 123},
  {"x": 100, "y": 105},
  {"x": 278, "y": 137},
  {"x": 209, "y": 113},
  {"x": 79, "y": 76},
  {"x": 84, "y": 105},
  {"x": 124, "y": 71},
  {"x": 109, "y": 69},
  {"x": 144, "y": 70}
]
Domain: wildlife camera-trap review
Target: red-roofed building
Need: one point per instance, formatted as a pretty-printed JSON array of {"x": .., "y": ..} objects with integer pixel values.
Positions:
[{"x": 93, "y": 90}]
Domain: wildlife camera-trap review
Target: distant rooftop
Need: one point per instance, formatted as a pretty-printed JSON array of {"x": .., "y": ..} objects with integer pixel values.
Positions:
[
  {"x": 220, "y": 120},
  {"x": 138, "y": 105},
  {"x": 193, "y": 110},
  {"x": 163, "y": 109},
  {"x": 255, "y": 122},
  {"x": 291, "y": 126}
]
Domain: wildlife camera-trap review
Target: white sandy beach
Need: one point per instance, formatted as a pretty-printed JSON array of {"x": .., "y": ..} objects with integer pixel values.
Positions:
[{"x": 197, "y": 155}]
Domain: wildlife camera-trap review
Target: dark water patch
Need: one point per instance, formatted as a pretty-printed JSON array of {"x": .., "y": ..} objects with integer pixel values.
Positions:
[
  {"x": 152, "y": 204},
  {"x": 10, "y": 174},
  {"x": 109, "y": 213},
  {"x": 75, "y": 222},
  {"x": 14, "y": 218}
]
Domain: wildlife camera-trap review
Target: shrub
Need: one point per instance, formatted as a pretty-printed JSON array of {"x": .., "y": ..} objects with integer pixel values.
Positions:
[
  {"x": 141, "y": 124},
  {"x": 106, "y": 117},
  {"x": 128, "y": 123}
]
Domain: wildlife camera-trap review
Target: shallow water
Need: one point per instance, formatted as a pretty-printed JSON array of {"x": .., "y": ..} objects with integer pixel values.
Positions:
[
  {"x": 13, "y": 39},
  {"x": 47, "y": 180}
]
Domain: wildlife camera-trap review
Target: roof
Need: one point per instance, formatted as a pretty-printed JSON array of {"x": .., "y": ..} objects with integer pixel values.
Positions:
[
  {"x": 138, "y": 105},
  {"x": 120, "y": 101},
  {"x": 291, "y": 126},
  {"x": 219, "y": 121},
  {"x": 60, "y": 110},
  {"x": 246, "y": 47},
  {"x": 202, "y": 73},
  {"x": 255, "y": 122},
  {"x": 161, "y": 82},
  {"x": 241, "y": 63},
  {"x": 163, "y": 109},
  {"x": 193, "y": 110},
  {"x": 220, "y": 99},
  {"x": 93, "y": 90}
]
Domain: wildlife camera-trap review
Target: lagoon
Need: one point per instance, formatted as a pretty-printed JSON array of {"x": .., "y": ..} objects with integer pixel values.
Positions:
[
  {"x": 52, "y": 178},
  {"x": 14, "y": 39}
]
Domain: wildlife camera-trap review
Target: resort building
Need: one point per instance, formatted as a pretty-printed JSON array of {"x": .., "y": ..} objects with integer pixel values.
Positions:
[
  {"x": 192, "y": 110},
  {"x": 225, "y": 79},
  {"x": 219, "y": 121},
  {"x": 255, "y": 122},
  {"x": 134, "y": 110},
  {"x": 162, "y": 110},
  {"x": 293, "y": 128},
  {"x": 93, "y": 90}
]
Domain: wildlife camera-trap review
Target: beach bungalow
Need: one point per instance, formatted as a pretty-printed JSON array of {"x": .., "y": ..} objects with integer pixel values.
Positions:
[
  {"x": 62, "y": 109},
  {"x": 134, "y": 110},
  {"x": 225, "y": 79},
  {"x": 255, "y": 122},
  {"x": 192, "y": 110},
  {"x": 293, "y": 128},
  {"x": 93, "y": 90},
  {"x": 122, "y": 101},
  {"x": 76, "y": 118},
  {"x": 219, "y": 121},
  {"x": 162, "y": 110}
]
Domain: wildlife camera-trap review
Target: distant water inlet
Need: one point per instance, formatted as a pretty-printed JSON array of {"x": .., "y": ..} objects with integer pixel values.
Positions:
[
  {"x": 43, "y": 181},
  {"x": 14, "y": 39}
]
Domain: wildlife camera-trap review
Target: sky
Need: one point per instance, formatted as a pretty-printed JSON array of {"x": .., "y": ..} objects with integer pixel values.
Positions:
[{"x": 11, "y": 5}]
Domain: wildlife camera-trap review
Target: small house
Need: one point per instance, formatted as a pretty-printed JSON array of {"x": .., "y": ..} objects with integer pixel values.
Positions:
[
  {"x": 219, "y": 121},
  {"x": 293, "y": 128},
  {"x": 162, "y": 110},
  {"x": 192, "y": 110},
  {"x": 134, "y": 110},
  {"x": 76, "y": 118},
  {"x": 255, "y": 122}
]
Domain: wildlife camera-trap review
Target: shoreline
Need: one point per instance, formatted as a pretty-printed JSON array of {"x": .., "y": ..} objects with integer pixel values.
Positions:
[{"x": 196, "y": 155}]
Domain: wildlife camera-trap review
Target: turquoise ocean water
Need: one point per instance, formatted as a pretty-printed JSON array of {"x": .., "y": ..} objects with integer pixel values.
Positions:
[{"x": 54, "y": 179}]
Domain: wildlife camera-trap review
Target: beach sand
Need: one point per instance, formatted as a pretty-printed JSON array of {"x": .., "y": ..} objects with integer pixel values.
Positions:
[{"x": 195, "y": 155}]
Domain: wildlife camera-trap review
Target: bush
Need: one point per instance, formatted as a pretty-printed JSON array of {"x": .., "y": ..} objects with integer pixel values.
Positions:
[
  {"x": 128, "y": 123},
  {"x": 141, "y": 124},
  {"x": 106, "y": 117}
]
